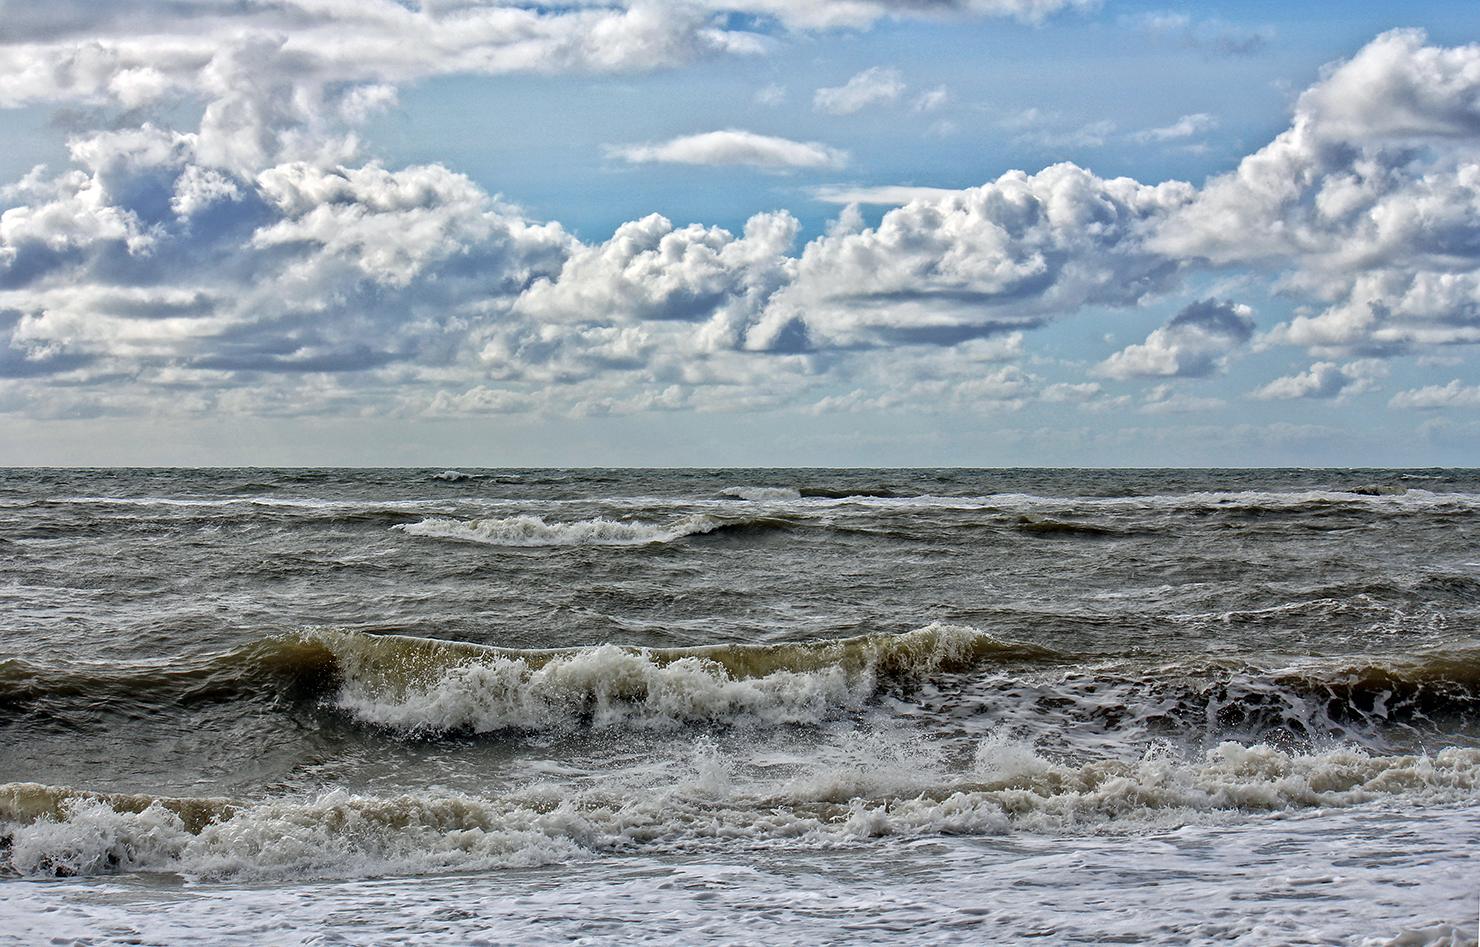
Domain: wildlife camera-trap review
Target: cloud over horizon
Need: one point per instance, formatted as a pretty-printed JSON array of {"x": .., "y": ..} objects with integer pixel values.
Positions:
[{"x": 262, "y": 264}]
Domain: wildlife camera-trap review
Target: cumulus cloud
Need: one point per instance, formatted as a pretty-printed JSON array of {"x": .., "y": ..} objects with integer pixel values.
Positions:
[
  {"x": 275, "y": 78},
  {"x": 650, "y": 271},
  {"x": 147, "y": 262},
  {"x": 260, "y": 264},
  {"x": 1326, "y": 380},
  {"x": 876, "y": 86},
  {"x": 735, "y": 147},
  {"x": 1007, "y": 255},
  {"x": 1367, "y": 205},
  {"x": 1070, "y": 392},
  {"x": 1453, "y": 395},
  {"x": 1195, "y": 343},
  {"x": 131, "y": 53}
]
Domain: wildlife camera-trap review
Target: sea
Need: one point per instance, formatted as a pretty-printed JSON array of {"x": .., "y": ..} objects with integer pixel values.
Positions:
[{"x": 739, "y": 706}]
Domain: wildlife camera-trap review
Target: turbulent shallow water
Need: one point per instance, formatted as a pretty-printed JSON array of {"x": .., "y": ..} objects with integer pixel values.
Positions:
[{"x": 739, "y": 706}]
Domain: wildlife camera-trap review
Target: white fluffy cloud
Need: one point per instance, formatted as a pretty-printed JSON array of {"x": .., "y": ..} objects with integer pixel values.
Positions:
[
  {"x": 650, "y": 272},
  {"x": 148, "y": 263},
  {"x": 258, "y": 264},
  {"x": 276, "y": 78},
  {"x": 1369, "y": 204},
  {"x": 1195, "y": 343},
  {"x": 735, "y": 147},
  {"x": 1453, "y": 395},
  {"x": 1010, "y": 254},
  {"x": 1326, "y": 380}
]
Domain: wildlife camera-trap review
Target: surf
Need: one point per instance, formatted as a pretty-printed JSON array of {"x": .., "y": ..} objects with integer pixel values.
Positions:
[{"x": 706, "y": 801}]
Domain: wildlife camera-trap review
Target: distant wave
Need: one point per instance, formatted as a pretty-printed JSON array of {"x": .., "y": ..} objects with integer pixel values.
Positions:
[
  {"x": 454, "y": 476},
  {"x": 529, "y": 530},
  {"x": 699, "y": 804},
  {"x": 762, "y": 494},
  {"x": 849, "y": 493}
]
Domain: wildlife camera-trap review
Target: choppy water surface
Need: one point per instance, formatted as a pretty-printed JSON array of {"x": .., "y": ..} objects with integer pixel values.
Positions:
[{"x": 536, "y": 706}]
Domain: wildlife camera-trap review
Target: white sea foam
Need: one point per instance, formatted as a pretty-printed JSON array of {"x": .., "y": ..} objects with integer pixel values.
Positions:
[
  {"x": 1410, "y": 885},
  {"x": 762, "y": 494},
  {"x": 711, "y": 802},
  {"x": 529, "y": 530}
]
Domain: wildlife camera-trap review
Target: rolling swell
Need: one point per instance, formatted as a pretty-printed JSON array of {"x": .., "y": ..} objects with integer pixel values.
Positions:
[
  {"x": 425, "y": 686},
  {"x": 291, "y": 669},
  {"x": 954, "y": 676}
]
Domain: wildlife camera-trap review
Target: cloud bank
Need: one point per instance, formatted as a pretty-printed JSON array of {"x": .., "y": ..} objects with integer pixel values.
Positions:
[{"x": 259, "y": 264}]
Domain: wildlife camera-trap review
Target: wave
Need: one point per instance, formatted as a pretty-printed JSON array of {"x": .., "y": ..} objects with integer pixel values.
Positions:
[
  {"x": 701, "y": 803},
  {"x": 974, "y": 680},
  {"x": 1198, "y": 502},
  {"x": 529, "y": 530},
  {"x": 419, "y": 686},
  {"x": 958, "y": 678},
  {"x": 762, "y": 494},
  {"x": 292, "y": 667},
  {"x": 422, "y": 686},
  {"x": 852, "y": 493},
  {"x": 1044, "y": 526}
]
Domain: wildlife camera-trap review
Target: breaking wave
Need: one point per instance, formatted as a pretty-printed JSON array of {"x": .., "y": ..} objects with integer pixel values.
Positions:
[
  {"x": 424, "y": 687},
  {"x": 959, "y": 677},
  {"x": 762, "y": 494},
  {"x": 703, "y": 803},
  {"x": 528, "y": 530}
]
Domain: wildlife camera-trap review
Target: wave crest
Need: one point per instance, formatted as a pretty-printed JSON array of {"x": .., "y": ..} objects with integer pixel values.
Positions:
[
  {"x": 762, "y": 494},
  {"x": 528, "y": 530},
  {"x": 421, "y": 686}
]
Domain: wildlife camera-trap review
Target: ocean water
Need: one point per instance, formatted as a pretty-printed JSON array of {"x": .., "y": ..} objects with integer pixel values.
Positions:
[{"x": 739, "y": 706}]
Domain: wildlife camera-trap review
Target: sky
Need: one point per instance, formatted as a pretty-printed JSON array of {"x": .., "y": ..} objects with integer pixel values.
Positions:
[{"x": 750, "y": 233}]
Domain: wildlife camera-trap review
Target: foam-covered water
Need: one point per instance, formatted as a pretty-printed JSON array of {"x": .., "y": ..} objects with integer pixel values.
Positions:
[{"x": 452, "y": 706}]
